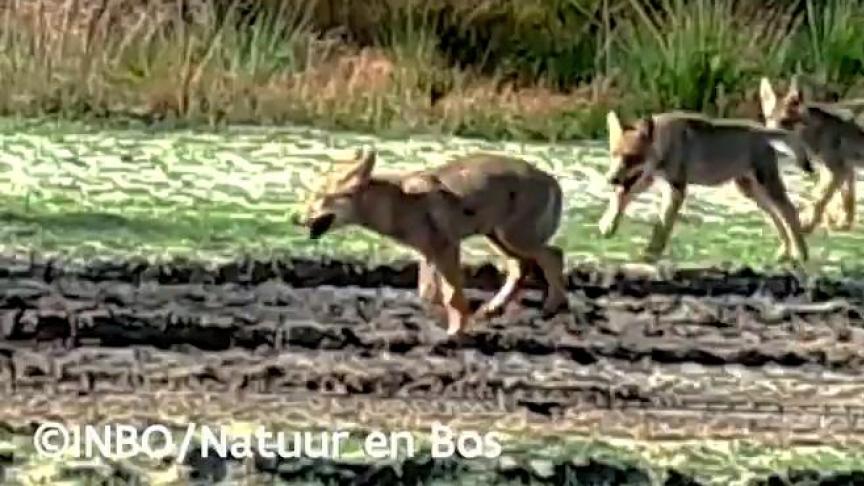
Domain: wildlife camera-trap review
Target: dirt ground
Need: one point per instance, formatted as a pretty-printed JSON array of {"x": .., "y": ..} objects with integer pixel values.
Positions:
[{"x": 694, "y": 354}]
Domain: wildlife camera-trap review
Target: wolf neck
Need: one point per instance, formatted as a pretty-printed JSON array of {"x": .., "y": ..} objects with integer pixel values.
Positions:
[{"x": 384, "y": 208}]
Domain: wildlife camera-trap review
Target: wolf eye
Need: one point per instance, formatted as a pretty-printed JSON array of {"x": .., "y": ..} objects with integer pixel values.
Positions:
[{"x": 337, "y": 196}]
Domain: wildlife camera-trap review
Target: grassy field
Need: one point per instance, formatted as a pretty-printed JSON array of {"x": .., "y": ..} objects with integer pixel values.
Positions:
[{"x": 82, "y": 192}]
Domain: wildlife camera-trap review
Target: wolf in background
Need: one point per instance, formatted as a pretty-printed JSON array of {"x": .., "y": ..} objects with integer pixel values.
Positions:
[
  {"x": 686, "y": 148},
  {"x": 832, "y": 139}
]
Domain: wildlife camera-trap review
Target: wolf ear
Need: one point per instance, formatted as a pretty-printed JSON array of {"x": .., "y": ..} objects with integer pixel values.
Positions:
[
  {"x": 767, "y": 97},
  {"x": 616, "y": 131},
  {"x": 364, "y": 162},
  {"x": 645, "y": 127},
  {"x": 794, "y": 95}
]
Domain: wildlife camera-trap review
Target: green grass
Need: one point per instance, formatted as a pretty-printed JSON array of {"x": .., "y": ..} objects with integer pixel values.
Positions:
[
  {"x": 70, "y": 190},
  {"x": 715, "y": 462},
  {"x": 693, "y": 56},
  {"x": 831, "y": 36}
]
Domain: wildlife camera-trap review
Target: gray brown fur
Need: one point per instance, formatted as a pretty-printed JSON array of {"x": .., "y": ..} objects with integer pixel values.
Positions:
[
  {"x": 686, "y": 148},
  {"x": 515, "y": 205},
  {"x": 837, "y": 142}
]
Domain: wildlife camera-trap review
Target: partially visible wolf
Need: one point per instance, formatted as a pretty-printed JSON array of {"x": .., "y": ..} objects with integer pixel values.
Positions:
[
  {"x": 834, "y": 140},
  {"x": 515, "y": 205},
  {"x": 686, "y": 148}
]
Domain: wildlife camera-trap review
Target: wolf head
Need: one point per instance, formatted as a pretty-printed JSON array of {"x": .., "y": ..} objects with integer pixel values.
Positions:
[
  {"x": 785, "y": 113},
  {"x": 629, "y": 150},
  {"x": 334, "y": 202}
]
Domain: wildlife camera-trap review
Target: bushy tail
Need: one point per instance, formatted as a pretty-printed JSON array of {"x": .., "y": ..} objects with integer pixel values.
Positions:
[
  {"x": 790, "y": 144},
  {"x": 855, "y": 106}
]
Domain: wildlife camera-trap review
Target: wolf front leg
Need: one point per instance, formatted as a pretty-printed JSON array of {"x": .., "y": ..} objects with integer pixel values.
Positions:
[
  {"x": 447, "y": 264},
  {"x": 608, "y": 223},
  {"x": 618, "y": 202},
  {"x": 670, "y": 206}
]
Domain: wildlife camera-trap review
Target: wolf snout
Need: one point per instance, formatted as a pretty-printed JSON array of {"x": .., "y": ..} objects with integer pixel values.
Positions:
[{"x": 320, "y": 225}]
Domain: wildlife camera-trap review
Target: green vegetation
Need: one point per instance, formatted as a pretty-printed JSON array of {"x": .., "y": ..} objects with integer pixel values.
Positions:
[
  {"x": 533, "y": 69},
  {"x": 710, "y": 462},
  {"x": 218, "y": 195},
  {"x": 525, "y": 69}
]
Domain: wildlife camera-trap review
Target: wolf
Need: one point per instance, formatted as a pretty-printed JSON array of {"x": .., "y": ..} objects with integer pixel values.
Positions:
[
  {"x": 515, "y": 205},
  {"x": 682, "y": 148},
  {"x": 832, "y": 139}
]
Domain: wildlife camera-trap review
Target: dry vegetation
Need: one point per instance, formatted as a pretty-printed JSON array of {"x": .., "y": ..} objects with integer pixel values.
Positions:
[{"x": 497, "y": 68}]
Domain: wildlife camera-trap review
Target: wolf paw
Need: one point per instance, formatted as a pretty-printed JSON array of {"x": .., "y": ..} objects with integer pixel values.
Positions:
[
  {"x": 840, "y": 226},
  {"x": 650, "y": 255},
  {"x": 839, "y": 222},
  {"x": 554, "y": 306},
  {"x": 487, "y": 311},
  {"x": 455, "y": 330},
  {"x": 808, "y": 222},
  {"x": 607, "y": 225},
  {"x": 783, "y": 255},
  {"x": 457, "y": 325}
]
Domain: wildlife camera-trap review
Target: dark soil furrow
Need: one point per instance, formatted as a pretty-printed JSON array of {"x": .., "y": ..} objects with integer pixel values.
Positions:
[
  {"x": 595, "y": 281},
  {"x": 730, "y": 329},
  {"x": 544, "y": 385},
  {"x": 692, "y": 354}
]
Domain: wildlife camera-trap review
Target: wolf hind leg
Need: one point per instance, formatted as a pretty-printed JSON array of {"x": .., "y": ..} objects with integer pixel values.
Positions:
[
  {"x": 447, "y": 264},
  {"x": 746, "y": 187},
  {"x": 789, "y": 216},
  {"x": 515, "y": 275},
  {"x": 842, "y": 216},
  {"x": 515, "y": 270},
  {"x": 829, "y": 182},
  {"x": 770, "y": 193},
  {"x": 549, "y": 258},
  {"x": 551, "y": 262}
]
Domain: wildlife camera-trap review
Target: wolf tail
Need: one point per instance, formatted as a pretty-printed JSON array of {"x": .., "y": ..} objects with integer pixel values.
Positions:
[
  {"x": 855, "y": 106},
  {"x": 788, "y": 143}
]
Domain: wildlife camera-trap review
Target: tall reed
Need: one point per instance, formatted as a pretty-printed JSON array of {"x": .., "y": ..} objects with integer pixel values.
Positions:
[
  {"x": 694, "y": 55},
  {"x": 831, "y": 43},
  {"x": 496, "y": 68}
]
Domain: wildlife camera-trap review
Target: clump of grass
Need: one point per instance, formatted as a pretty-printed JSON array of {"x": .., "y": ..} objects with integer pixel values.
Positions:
[
  {"x": 204, "y": 61},
  {"x": 693, "y": 54},
  {"x": 269, "y": 62},
  {"x": 557, "y": 42},
  {"x": 832, "y": 42}
]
